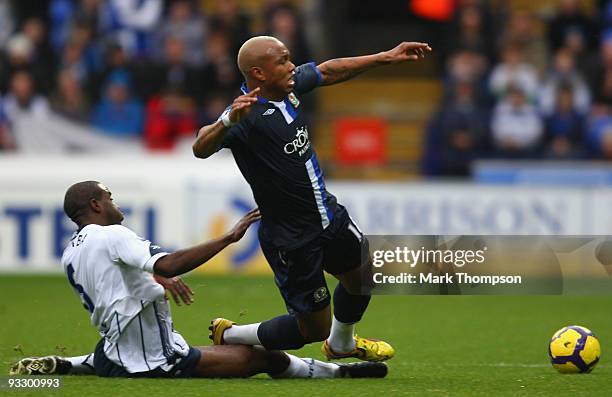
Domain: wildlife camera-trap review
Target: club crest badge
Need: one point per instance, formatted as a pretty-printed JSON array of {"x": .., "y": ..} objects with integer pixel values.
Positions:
[
  {"x": 294, "y": 100},
  {"x": 320, "y": 294}
]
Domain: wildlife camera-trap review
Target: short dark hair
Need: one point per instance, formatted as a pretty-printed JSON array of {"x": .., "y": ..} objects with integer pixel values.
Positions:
[{"x": 76, "y": 200}]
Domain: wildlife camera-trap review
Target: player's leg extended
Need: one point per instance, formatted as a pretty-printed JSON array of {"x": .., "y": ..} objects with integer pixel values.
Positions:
[
  {"x": 347, "y": 258},
  {"x": 285, "y": 332},
  {"x": 240, "y": 361},
  {"x": 299, "y": 277}
]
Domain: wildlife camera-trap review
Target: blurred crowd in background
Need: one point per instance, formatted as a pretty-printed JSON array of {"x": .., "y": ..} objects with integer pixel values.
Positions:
[
  {"x": 130, "y": 68},
  {"x": 517, "y": 84}
]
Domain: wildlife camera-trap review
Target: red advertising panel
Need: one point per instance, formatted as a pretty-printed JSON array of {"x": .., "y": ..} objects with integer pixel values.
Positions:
[{"x": 361, "y": 140}]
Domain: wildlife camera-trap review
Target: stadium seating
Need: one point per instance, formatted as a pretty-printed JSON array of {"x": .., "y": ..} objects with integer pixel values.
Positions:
[{"x": 405, "y": 103}]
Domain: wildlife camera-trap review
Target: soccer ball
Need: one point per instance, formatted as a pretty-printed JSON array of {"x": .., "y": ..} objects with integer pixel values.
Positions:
[{"x": 574, "y": 349}]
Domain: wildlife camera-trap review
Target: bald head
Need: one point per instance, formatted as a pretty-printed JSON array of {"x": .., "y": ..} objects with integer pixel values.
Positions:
[
  {"x": 256, "y": 51},
  {"x": 78, "y": 196}
]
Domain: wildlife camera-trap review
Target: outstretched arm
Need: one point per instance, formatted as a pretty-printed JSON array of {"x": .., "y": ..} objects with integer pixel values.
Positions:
[
  {"x": 341, "y": 69},
  {"x": 185, "y": 260}
]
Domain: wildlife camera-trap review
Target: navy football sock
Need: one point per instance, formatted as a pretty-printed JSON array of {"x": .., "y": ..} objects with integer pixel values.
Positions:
[
  {"x": 349, "y": 308},
  {"x": 281, "y": 333}
]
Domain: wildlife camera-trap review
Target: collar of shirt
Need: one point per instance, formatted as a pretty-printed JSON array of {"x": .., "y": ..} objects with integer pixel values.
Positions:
[{"x": 245, "y": 90}]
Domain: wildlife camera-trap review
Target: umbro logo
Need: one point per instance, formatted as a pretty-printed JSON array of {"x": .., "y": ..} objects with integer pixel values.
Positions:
[{"x": 268, "y": 112}]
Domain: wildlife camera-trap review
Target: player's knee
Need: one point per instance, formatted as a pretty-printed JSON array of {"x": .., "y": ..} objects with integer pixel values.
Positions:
[
  {"x": 360, "y": 282},
  {"x": 352, "y": 288}
]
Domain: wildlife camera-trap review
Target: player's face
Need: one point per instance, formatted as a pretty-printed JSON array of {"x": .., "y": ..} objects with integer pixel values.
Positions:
[
  {"x": 279, "y": 69},
  {"x": 113, "y": 214}
]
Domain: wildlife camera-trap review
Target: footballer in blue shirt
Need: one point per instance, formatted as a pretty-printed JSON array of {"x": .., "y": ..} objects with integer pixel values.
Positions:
[{"x": 304, "y": 231}]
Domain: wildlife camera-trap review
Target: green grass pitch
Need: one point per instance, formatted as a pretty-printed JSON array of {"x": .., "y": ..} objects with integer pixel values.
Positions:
[{"x": 446, "y": 345}]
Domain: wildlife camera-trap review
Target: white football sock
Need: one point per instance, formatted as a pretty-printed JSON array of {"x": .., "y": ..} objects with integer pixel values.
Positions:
[
  {"x": 242, "y": 335},
  {"x": 82, "y": 365},
  {"x": 341, "y": 337},
  {"x": 296, "y": 369},
  {"x": 320, "y": 369},
  {"x": 308, "y": 368}
]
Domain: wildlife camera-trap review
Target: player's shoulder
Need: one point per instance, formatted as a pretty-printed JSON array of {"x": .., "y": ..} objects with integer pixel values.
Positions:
[
  {"x": 307, "y": 77},
  {"x": 309, "y": 68},
  {"x": 108, "y": 234},
  {"x": 92, "y": 231},
  {"x": 118, "y": 231},
  {"x": 91, "y": 235}
]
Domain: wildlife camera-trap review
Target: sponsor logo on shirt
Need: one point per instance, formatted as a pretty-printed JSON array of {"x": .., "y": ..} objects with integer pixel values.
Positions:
[{"x": 300, "y": 144}]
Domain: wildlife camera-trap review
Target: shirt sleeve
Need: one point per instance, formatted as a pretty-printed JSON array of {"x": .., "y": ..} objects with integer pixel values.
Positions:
[
  {"x": 307, "y": 77},
  {"x": 128, "y": 248}
]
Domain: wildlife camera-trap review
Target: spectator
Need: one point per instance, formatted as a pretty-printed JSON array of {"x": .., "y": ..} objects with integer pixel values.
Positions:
[
  {"x": 22, "y": 99},
  {"x": 73, "y": 61},
  {"x": 284, "y": 24},
  {"x": 522, "y": 30},
  {"x": 230, "y": 18},
  {"x": 115, "y": 60},
  {"x": 516, "y": 126},
  {"x": 184, "y": 23},
  {"x": 131, "y": 23},
  {"x": 564, "y": 73},
  {"x": 42, "y": 54},
  {"x": 83, "y": 35},
  {"x": 513, "y": 70},
  {"x": 172, "y": 70},
  {"x": 91, "y": 13},
  {"x": 69, "y": 100},
  {"x": 457, "y": 134},
  {"x": 169, "y": 117},
  {"x": 467, "y": 66},
  {"x": 118, "y": 113},
  {"x": 19, "y": 56},
  {"x": 565, "y": 127},
  {"x": 471, "y": 32},
  {"x": 571, "y": 27},
  {"x": 221, "y": 72}
]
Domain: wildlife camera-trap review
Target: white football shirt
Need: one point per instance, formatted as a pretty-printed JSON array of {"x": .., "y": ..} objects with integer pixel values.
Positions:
[{"x": 110, "y": 268}]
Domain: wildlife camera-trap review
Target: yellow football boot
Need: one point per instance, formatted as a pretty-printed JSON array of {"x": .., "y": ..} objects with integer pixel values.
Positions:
[
  {"x": 217, "y": 328},
  {"x": 365, "y": 349}
]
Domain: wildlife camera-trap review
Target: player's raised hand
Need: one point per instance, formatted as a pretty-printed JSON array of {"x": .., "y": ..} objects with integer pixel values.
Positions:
[
  {"x": 406, "y": 51},
  {"x": 177, "y": 288},
  {"x": 242, "y": 106},
  {"x": 243, "y": 224}
]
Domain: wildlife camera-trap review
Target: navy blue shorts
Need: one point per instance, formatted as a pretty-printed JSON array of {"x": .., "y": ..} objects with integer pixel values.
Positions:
[
  {"x": 298, "y": 273},
  {"x": 184, "y": 368}
]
